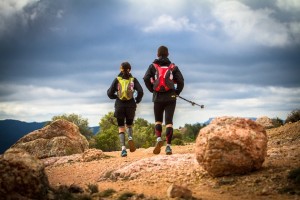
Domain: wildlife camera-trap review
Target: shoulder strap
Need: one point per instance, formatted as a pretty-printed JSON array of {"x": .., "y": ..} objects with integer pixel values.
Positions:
[
  {"x": 130, "y": 78},
  {"x": 119, "y": 78},
  {"x": 156, "y": 65},
  {"x": 172, "y": 66}
]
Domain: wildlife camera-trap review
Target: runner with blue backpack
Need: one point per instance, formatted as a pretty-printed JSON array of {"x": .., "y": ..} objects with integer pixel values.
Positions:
[
  {"x": 122, "y": 89},
  {"x": 164, "y": 79}
]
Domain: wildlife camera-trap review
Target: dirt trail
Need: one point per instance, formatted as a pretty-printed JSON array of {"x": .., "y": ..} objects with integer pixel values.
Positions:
[{"x": 142, "y": 172}]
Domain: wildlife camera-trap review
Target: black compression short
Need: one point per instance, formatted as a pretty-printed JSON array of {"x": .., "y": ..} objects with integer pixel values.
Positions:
[{"x": 164, "y": 107}]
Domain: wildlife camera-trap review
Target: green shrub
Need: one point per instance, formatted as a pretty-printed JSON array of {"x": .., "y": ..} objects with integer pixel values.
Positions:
[
  {"x": 294, "y": 116},
  {"x": 126, "y": 195},
  {"x": 93, "y": 188},
  {"x": 107, "y": 193},
  {"x": 62, "y": 192},
  {"x": 277, "y": 122},
  {"x": 178, "y": 142},
  {"x": 294, "y": 175}
]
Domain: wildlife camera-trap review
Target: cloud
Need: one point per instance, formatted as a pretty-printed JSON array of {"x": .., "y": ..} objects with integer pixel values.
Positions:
[
  {"x": 27, "y": 18},
  {"x": 238, "y": 57},
  {"x": 294, "y": 28},
  {"x": 32, "y": 102},
  {"x": 143, "y": 10},
  {"x": 10, "y": 7},
  {"x": 12, "y": 14},
  {"x": 288, "y": 5},
  {"x": 243, "y": 100},
  {"x": 167, "y": 24},
  {"x": 244, "y": 25}
]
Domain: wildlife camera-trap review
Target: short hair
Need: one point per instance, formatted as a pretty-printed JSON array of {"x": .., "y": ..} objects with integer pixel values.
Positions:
[{"x": 162, "y": 51}]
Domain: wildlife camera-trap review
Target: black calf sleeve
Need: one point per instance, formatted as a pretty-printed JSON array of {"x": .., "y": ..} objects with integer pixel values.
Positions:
[
  {"x": 169, "y": 134},
  {"x": 158, "y": 130}
]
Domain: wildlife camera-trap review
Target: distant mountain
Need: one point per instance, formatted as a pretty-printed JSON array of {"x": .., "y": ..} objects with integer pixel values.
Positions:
[
  {"x": 95, "y": 129},
  {"x": 12, "y": 130},
  {"x": 208, "y": 121}
]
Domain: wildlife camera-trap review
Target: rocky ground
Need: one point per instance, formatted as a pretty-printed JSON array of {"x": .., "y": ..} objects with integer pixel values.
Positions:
[{"x": 151, "y": 175}]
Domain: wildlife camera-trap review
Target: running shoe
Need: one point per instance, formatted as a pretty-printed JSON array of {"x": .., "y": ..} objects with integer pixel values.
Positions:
[
  {"x": 131, "y": 145},
  {"x": 168, "y": 150},
  {"x": 124, "y": 153},
  {"x": 157, "y": 147}
]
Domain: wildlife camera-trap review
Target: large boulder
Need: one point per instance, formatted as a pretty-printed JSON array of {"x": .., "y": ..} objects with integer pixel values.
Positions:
[
  {"x": 60, "y": 138},
  {"x": 231, "y": 145},
  {"x": 22, "y": 176},
  {"x": 265, "y": 121}
]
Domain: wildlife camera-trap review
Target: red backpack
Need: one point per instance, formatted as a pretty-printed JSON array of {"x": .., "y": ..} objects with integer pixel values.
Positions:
[{"x": 163, "y": 78}]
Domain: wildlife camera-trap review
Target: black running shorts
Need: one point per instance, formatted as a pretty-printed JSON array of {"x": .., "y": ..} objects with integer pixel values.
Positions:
[{"x": 164, "y": 107}]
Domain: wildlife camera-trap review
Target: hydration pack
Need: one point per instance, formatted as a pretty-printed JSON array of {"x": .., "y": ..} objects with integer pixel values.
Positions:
[
  {"x": 125, "y": 88},
  {"x": 163, "y": 80}
]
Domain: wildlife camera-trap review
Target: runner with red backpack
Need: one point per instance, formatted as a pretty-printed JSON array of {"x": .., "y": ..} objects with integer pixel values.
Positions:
[{"x": 164, "y": 79}]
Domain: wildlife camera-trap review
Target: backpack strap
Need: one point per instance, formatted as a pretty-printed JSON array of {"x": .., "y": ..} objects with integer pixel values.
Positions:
[
  {"x": 156, "y": 65},
  {"x": 171, "y": 66}
]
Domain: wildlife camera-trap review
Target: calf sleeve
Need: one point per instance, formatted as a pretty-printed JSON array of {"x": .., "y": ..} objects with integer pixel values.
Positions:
[
  {"x": 169, "y": 134},
  {"x": 158, "y": 130},
  {"x": 122, "y": 138},
  {"x": 129, "y": 131}
]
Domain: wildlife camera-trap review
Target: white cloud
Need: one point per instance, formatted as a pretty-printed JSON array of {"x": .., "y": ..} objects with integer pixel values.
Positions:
[
  {"x": 294, "y": 28},
  {"x": 288, "y": 5},
  {"x": 150, "y": 15},
  {"x": 147, "y": 9},
  {"x": 9, "y": 9},
  {"x": 242, "y": 100},
  {"x": 245, "y": 25},
  {"x": 166, "y": 23},
  {"x": 44, "y": 111},
  {"x": 36, "y": 103}
]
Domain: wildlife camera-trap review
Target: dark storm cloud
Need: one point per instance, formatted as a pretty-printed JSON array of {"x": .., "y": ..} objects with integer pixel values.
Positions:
[
  {"x": 61, "y": 35},
  {"x": 63, "y": 55}
]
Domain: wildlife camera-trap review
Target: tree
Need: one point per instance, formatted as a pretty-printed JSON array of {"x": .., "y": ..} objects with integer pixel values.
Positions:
[
  {"x": 294, "y": 116},
  {"x": 143, "y": 133},
  {"x": 107, "y": 139},
  {"x": 277, "y": 122},
  {"x": 82, "y": 123},
  {"x": 191, "y": 131}
]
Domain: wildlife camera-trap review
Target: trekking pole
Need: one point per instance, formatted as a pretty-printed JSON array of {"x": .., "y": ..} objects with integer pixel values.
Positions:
[{"x": 191, "y": 102}]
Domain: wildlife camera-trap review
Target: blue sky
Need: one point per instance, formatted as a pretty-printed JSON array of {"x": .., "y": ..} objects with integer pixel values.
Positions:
[{"x": 239, "y": 58}]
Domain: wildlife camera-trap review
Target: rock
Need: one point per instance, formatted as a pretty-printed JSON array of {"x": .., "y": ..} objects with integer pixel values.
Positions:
[
  {"x": 60, "y": 138},
  {"x": 54, "y": 161},
  {"x": 153, "y": 164},
  {"x": 231, "y": 145},
  {"x": 177, "y": 191},
  {"x": 265, "y": 122},
  {"x": 22, "y": 176},
  {"x": 92, "y": 154},
  {"x": 86, "y": 156}
]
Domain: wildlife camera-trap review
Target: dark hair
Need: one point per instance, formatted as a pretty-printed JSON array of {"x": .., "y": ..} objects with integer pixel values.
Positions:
[
  {"x": 162, "y": 51},
  {"x": 125, "y": 69}
]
